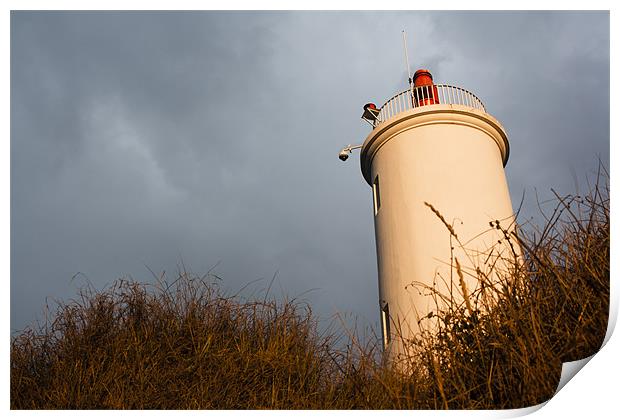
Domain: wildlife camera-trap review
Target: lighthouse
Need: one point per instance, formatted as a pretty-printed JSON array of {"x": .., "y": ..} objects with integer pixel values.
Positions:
[{"x": 435, "y": 162}]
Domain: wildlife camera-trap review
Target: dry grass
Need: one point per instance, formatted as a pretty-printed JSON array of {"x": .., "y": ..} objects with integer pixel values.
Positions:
[{"x": 186, "y": 346}]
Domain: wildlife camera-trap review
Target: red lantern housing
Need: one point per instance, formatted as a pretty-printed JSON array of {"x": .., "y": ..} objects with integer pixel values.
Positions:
[{"x": 424, "y": 90}]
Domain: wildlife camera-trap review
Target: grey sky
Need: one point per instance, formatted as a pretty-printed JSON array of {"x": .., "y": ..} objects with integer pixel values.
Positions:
[{"x": 143, "y": 139}]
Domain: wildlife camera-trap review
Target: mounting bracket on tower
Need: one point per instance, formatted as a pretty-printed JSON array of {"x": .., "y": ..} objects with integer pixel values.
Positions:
[{"x": 346, "y": 151}]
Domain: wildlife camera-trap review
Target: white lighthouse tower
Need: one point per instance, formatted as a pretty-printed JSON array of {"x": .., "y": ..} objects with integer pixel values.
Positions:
[{"x": 435, "y": 161}]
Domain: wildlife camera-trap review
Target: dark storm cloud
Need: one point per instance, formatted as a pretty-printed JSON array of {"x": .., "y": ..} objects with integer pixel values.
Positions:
[{"x": 146, "y": 138}]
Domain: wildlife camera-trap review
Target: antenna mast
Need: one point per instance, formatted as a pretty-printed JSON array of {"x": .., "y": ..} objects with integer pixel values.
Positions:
[{"x": 407, "y": 59}]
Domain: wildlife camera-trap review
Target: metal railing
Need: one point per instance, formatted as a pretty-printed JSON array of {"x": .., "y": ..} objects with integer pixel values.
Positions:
[{"x": 427, "y": 95}]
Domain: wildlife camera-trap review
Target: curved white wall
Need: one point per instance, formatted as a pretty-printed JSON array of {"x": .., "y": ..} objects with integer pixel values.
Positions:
[{"x": 451, "y": 157}]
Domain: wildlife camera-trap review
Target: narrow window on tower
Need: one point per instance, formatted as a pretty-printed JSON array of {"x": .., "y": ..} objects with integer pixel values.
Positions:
[
  {"x": 375, "y": 195},
  {"x": 385, "y": 325}
]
